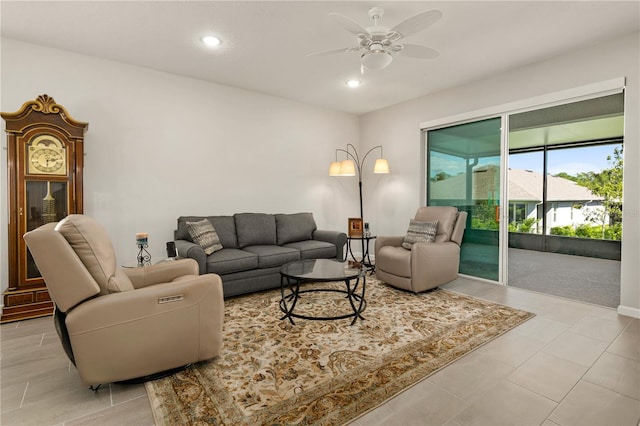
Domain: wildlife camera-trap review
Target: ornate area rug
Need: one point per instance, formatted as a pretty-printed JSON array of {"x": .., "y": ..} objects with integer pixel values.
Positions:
[{"x": 325, "y": 372}]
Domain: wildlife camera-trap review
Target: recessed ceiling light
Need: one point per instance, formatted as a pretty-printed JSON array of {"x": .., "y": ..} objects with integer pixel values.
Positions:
[
  {"x": 211, "y": 41},
  {"x": 353, "y": 83}
]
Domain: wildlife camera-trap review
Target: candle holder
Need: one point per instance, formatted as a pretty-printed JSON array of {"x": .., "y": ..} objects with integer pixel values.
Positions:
[{"x": 144, "y": 258}]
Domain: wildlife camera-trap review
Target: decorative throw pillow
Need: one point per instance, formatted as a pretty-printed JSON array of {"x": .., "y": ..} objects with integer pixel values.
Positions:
[
  {"x": 420, "y": 232},
  {"x": 204, "y": 234}
]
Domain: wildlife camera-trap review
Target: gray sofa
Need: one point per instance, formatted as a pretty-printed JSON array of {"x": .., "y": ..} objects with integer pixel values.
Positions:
[{"x": 256, "y": 245}]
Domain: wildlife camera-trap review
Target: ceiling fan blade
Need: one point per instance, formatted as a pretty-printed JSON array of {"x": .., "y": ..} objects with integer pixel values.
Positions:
[
  {"x": 333, "y": 51},
  {"x": 417, "y": 51},
  {"x": 348, "y": 24},
  {"x": 417, "y": 23}
]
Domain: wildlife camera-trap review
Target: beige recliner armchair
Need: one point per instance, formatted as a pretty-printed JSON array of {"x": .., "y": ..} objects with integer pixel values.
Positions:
[
  {"x": 119, "y": 324},
  {"x": 425, "y": 265}
]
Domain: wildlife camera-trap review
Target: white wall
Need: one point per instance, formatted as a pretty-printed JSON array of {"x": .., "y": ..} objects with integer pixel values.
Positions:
[
  {"x": 160, "y": 146},
  {"x": 392, "y": 200}
]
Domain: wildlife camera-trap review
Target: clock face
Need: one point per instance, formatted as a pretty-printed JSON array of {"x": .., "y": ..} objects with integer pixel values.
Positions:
[
  {"x": 47, "y": 155},
  {"x": 47, "y": 160}
]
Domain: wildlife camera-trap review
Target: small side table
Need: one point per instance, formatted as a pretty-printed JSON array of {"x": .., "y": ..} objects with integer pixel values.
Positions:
[{"x": 366, "y": 259}]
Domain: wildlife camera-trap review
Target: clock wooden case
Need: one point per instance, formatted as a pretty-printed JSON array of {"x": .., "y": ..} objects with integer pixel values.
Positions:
[{"x": 45, "y": 149}]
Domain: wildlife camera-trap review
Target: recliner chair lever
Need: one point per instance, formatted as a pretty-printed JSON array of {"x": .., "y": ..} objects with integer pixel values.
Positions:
[{"x": 169, "y": 299}]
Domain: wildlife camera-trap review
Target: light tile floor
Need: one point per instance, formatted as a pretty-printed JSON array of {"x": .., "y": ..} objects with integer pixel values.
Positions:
[{"x": 573, "y": 364}]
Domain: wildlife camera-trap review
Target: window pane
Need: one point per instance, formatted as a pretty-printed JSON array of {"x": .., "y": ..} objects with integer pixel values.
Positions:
[
  {"x": 463, "y": 164},
  {"x": 584, "y": 190}
]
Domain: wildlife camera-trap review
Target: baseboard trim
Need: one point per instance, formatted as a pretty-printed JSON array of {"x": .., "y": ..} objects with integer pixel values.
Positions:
[{"x": 629, "y": 311}]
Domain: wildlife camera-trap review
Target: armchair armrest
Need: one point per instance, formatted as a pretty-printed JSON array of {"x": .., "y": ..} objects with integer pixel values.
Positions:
[
  {"x": 433, "y": 263},
  {"x": 339, "y": 239},
  {"x": 435, "y": 251},
  {"x": 187, "y": 249},
  {"x": 113, "y": 336},
  {"x": 394, "y": 241},
  {"x": 161, "y": 273}
]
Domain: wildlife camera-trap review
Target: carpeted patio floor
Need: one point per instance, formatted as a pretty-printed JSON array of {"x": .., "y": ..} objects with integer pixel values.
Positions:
[{"x": 581, "y": 278}]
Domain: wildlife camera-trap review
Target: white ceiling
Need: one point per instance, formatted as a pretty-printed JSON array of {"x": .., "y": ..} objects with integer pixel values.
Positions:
[{"x": 265, "y": 43}]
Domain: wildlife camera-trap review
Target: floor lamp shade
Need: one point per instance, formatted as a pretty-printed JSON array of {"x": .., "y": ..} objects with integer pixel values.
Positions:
[
  {"x": 334, "y": 168},
  {"x": 347, "y": 168},
  {"x": 381, "y": 166}
]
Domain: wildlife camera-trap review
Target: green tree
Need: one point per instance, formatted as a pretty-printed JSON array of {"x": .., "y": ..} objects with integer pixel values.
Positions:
[
  {"x": 608, "y": 185},
  {"x": 440, "y": 176},
  {"x": 565, "y": 175},
  {"x": 582, "y": 178}
]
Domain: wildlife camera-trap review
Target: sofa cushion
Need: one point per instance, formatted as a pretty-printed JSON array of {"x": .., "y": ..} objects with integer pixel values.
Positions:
[
  {"x": 294, "y": 227},
  {"x": 270, "y": 256},
  {"x": 314, "y": 249},
  {"x": 420, "y": 232},
  {"x": 204, "y": 234},
  {"x": 229, "y": 260},
  {"x": 255, "y": 229},
  {"x": 225, "y": 227},
  {"x": 90, "y": 241}
]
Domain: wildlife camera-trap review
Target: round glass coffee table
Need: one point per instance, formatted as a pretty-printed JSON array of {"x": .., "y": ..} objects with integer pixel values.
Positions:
[{"x": 293, "y": 274}]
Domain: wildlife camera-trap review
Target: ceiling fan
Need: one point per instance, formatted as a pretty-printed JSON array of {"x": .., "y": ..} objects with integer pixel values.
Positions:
[{"x": 379, "y": 43}]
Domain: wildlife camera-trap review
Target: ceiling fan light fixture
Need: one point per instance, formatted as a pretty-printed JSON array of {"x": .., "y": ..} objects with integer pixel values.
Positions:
[{"x": 376, "y": 59}]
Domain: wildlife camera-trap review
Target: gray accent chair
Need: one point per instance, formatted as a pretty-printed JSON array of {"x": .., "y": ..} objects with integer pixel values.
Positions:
[{"x": 425, "y": 265}]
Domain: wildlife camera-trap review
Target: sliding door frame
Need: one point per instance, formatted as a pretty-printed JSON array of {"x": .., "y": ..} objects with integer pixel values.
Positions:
[{"x": 595, "y": 90}]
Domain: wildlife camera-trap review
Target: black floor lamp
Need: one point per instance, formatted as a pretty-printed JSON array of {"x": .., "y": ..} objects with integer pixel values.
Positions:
[{"x": 353, "y": 165}]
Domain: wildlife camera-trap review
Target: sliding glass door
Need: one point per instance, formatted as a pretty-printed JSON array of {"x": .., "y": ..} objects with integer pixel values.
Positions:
[
  {"x": 463, "y": 170},
  {"x": 565, "y": 178},
  {"x": 565, "y": 199},
  {"x": 545, "y": 179}
]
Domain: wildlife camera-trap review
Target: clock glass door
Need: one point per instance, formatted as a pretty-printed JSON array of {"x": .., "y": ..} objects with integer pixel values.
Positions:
[{"x": 45, "y": 201}]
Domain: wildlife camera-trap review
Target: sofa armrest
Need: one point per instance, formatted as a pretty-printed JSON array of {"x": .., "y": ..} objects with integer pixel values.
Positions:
[
  {"x": 113, "y": 336},
  {"x": 161, "y": 272},
  {"x": 187, "y": 249},
  {"x": 339, "y": 239}
]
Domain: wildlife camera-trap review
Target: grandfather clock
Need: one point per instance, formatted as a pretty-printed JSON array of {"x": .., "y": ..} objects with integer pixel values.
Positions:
[{"x": 44, "y": 184}]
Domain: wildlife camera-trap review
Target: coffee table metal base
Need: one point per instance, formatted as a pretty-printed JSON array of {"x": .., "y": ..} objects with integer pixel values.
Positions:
[{"x": 290, "y": 299}]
